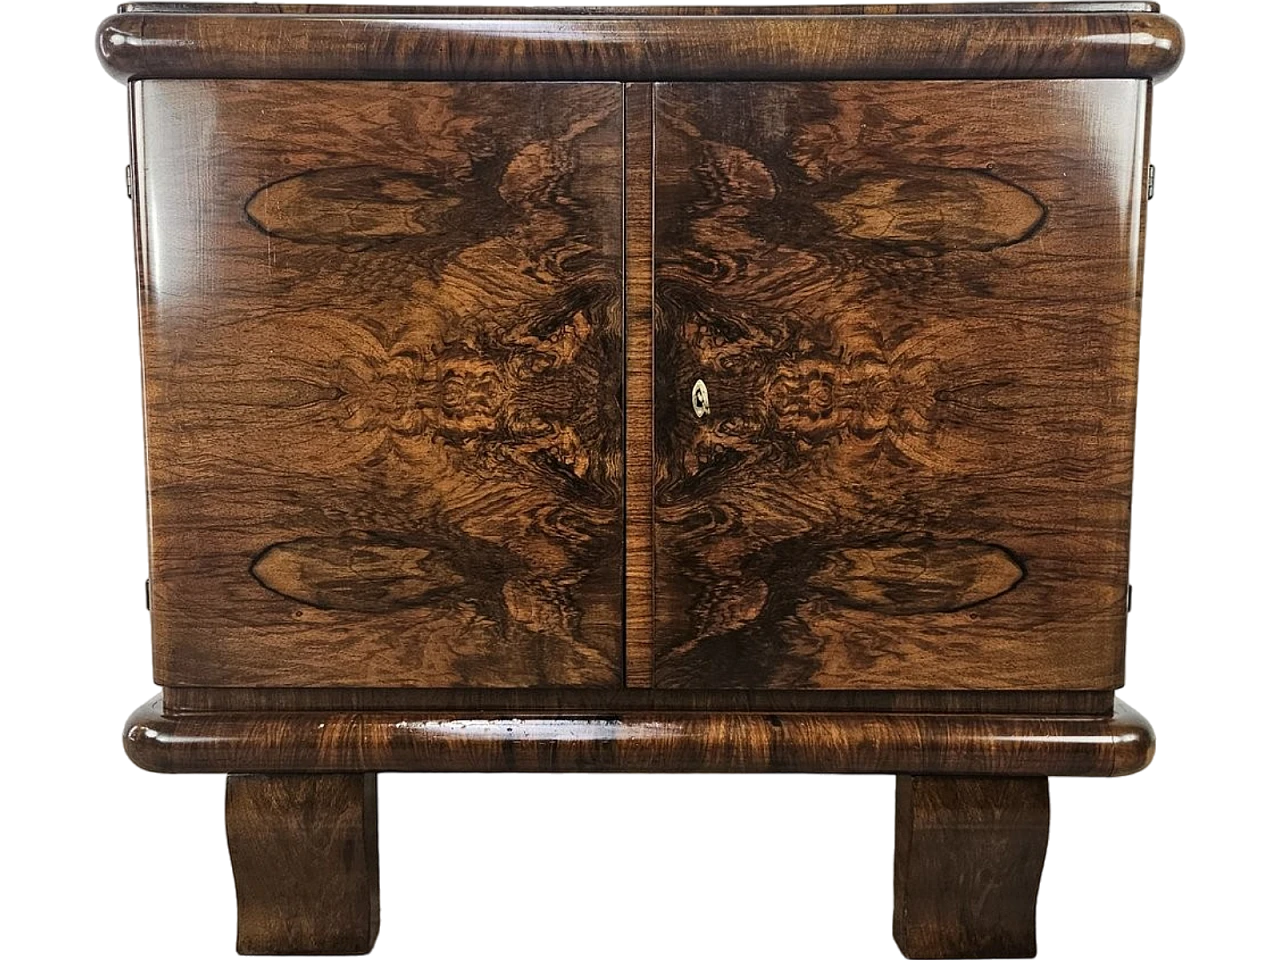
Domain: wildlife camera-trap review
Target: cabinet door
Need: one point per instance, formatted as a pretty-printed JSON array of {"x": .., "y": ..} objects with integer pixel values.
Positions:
[
  {"x": 382, "y": 349},
  {"x": 914, "y": 310}
]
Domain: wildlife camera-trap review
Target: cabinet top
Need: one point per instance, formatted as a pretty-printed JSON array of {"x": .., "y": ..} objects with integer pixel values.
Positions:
[{"x": 903, "y": 41}]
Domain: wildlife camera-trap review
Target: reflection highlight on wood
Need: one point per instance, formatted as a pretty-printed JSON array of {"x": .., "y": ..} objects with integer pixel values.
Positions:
[
  {"x": 526, "y": 44},
  {"x": 383, "y": 332},
  {"x": 679, "y": 740},
  {"x": 916, "y": 316}
]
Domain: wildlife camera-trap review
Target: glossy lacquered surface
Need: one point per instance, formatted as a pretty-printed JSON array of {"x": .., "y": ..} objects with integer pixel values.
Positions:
[
  {"x": 759, "y": 400},
  {"x": 657, "y": 10},
  {"x": 396, "y": 419},
  {"x": 528, "y": 45},
  {"x": 382, "y": 341},
  {"x": 674, "y": 741},
  {"x": 915, "y": 309}
]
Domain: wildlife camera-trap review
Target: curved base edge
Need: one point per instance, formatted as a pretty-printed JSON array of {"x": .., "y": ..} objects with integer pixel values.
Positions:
[{"x": 674, "y": 742}]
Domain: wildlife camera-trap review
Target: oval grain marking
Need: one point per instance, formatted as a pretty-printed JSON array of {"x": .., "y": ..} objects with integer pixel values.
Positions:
[
  {"x": 348, "y": 204},
  {"x": 356, "y": 573},
  {"x": 405, "y": 292},
  {"x": 900, "y": 579},
  {"x": 936, "y": 208}
]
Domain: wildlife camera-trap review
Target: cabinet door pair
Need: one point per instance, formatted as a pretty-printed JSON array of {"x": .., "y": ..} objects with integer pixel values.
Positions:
[{"x": 876, "y": 345}]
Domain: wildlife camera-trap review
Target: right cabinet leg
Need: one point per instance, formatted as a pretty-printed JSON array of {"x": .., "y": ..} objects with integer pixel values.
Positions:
[
  {"x": 967, "y": 861},
  {"x": 304, "y": 851}
]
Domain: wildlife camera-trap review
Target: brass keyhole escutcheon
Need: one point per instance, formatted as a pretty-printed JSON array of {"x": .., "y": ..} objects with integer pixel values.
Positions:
[{"x": 701, "y": 400}]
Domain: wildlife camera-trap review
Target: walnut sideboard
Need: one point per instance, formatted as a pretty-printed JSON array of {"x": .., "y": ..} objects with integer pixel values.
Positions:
[{"x": 667, "y": 389}]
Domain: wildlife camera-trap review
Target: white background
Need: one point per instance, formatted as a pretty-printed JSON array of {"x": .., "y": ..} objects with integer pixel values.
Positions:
[{"x": 100, "y": 858}]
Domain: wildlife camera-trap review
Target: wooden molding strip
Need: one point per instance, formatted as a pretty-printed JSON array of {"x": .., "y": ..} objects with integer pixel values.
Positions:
[
  {"x": 1125, "y": 43},
  {"x": 810, "y": 10},
  {"x": 372, "y": 742},
  {"x": 604, "y": 701},
  {"x": 638, "y": 297}
]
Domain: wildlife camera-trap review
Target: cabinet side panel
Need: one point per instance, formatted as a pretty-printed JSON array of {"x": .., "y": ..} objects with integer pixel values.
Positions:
[
  {"x": 383, "y": 356},
  {"x": 915, "y": 310}
]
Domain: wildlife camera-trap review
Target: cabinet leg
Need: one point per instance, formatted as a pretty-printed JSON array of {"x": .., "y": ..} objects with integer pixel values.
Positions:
[
  {"x": 304, "y": 851},
  {"x": 967, "y": 862}
]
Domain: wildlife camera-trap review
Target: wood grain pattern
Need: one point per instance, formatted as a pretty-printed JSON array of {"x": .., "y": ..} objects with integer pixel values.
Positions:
[
  {"x": 304, "y": 851},
  {"x": 967, "y": 861},
  {"x": 382, "y": 343},
  {"x": 820, "y": 10},
  {"x": 531, "y": 45},
  {"x": 605, "y": 702},
  {"x": 671, "y": 742},
  {"x": 639, "y": 384},
  {"x": 916, "y": 310}
]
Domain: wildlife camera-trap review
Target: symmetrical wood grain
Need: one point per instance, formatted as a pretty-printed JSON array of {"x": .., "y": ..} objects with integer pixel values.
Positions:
[
  {"x": 1082, "y": 40},
  {"x": 915, "y": 308},
  {"x": 967, "y": 863},
  {"x": 382, "y": 337},
  {"x": 674, "y": 741},
  {"x": 637, "y": 424},
  {"x": 304, "y": 851}
]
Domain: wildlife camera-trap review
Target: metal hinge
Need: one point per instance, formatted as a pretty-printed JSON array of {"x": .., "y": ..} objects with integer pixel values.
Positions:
[
  {"x": 1128, "y": 600},
  {"x": 128, "y": 180},
  {"x": 1151, "y": 181},
  {"x": 146, "y": 625}
]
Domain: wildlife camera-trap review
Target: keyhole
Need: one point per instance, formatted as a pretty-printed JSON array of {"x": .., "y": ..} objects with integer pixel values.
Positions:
[{"x": 701, "y": 400}]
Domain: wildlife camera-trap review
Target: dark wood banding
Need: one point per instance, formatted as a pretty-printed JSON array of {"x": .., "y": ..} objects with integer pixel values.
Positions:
[
  {"x": 819, "y": 10},
  {"x": 527, "y": 46},
  {"x": 373, "y": 742},
  {"x": 607, "y": 702}
]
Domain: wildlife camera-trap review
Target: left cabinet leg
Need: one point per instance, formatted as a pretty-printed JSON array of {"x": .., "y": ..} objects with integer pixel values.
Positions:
[
  {"x": 304, "y": 851},
  {"x": 967, "y": 861}
]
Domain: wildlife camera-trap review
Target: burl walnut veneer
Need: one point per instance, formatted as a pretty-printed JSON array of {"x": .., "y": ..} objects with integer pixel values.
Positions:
[{"x": 640, "y": 390}]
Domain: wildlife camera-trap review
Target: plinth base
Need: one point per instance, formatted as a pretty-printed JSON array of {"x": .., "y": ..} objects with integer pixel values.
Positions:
[{"x": 972, "y": 810}]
